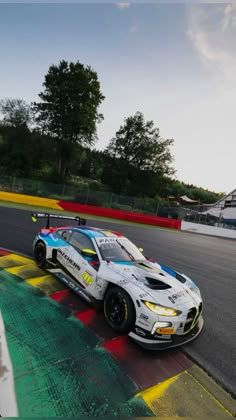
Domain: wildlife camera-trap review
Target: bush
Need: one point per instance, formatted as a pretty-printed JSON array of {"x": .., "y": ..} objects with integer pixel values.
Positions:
[
  {"x": 115, "y": 206},
  {"x": 124, "y": 207},
  {"x": 30, "y": 189},
  {"x": 84, "y": 198},
  {"x": 96, "y": 185},
  {"x": 168, "y": 212}
]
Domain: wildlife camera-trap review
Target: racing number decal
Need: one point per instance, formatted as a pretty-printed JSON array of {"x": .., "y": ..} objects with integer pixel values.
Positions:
[{"x": 87, "y": 278}]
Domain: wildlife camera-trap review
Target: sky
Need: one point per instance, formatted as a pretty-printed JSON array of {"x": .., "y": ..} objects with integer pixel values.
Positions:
[{"x": 174, "y": 62}]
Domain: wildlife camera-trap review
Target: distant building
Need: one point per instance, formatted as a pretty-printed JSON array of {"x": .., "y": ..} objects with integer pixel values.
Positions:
[
  {"x": 184, "y": 200},
  {"x": 225, "y": 208}
]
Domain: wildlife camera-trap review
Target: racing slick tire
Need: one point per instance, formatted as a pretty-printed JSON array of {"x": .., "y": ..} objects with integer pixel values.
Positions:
[
  {"x": 119, "y": 310},
  {"x": 40, "y": 254}
]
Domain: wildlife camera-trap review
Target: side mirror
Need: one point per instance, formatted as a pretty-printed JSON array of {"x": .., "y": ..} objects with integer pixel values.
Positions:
[{"x": 89, "y": 252}]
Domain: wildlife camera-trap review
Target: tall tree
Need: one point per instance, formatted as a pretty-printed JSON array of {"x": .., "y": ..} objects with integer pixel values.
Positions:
[
  {"x": 139, "y": 144},
  {"x": 16, "y": 112},
  {"x": 140, "y": 157},
  {"x": 68, "y": 111}
]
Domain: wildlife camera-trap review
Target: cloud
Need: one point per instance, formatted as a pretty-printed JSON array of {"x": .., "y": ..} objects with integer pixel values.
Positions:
[
  {"x": 229, "y": 18},
  {"x": 133, "y": 28},
  {"x": 212, "y": 31},
  {"x": 123, "y": 6}
]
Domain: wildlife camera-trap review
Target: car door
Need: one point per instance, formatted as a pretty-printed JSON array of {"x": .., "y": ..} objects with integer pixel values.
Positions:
[{"x": 77, "y": 265}]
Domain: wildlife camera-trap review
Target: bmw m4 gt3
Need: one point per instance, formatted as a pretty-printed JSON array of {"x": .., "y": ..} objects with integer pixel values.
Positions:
[{"x": 155, "y": 305}]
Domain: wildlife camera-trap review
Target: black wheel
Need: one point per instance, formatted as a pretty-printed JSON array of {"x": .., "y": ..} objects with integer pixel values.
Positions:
[
  {"x": 119, "y": 310},
  {"x": 40, "y": 254}
]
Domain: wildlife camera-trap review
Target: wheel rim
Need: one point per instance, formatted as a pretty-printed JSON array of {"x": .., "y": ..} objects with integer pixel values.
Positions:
[
  {"x": 39, "y": 254},
  {"x": 116, "y": 311}
]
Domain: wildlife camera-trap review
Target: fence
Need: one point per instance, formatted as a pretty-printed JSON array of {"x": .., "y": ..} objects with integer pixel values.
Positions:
[
  {"x": 204, "y": 214},
  {"x": 83, "y": 194}
]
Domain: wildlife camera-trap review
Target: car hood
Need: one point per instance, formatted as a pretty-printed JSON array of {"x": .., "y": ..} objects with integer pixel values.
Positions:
[{"x": 152, "y": 282}]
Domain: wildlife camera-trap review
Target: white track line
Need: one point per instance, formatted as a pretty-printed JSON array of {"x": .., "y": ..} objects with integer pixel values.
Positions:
[{"x": 8, "y": 406}]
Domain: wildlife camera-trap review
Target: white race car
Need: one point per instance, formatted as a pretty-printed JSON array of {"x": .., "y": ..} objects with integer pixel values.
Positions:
[{"x": 155, "y": 305}]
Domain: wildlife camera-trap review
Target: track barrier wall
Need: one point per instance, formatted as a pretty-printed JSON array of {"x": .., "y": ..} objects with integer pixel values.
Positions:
[
  {"x": 208, "y": 230},
  {"x": 91, "y": 210},
  {"x": 121, "y": 214}
]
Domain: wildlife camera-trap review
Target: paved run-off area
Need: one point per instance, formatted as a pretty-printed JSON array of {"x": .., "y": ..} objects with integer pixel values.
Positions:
[{"x": 66, "y": 361}]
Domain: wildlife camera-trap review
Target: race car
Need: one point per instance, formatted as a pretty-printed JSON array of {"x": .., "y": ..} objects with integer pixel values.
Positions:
[{"x": 155, "y": 305}]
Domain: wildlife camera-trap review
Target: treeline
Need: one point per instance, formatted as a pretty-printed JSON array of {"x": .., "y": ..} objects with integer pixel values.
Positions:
[{"x": 53, "y": 140}]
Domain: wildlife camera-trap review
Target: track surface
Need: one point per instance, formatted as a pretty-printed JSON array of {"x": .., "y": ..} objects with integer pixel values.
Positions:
[{"x": 210, "y": 262}]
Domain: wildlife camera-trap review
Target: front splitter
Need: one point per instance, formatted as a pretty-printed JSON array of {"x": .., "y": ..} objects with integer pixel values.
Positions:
[{"x": 177, "y": 340}]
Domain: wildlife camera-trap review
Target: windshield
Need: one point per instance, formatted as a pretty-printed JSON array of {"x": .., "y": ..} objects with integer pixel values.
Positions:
[{"x": 118, "y": 249}]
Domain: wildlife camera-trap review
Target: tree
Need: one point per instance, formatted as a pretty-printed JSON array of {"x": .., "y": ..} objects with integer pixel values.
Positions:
[
  {"x": 140, "y": 158},
  {"x": 16, "y": 112},
  {"x": 139, "y": 144},
  {"x": 68, "y": 111},
  {"x": 20, "y": 151}
]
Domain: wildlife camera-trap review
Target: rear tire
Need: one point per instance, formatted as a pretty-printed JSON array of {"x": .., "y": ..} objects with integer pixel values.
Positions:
[
  {"x": 119, "y": 310},
  {"x": 40, "y": 254}
]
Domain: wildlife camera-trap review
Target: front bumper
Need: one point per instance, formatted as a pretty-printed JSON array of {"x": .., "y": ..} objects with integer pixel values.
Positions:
[{"x": 174, "y": 341}]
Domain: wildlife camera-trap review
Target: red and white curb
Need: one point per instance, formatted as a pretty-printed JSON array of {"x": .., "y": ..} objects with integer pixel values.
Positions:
[{"x": 8, "y": 405}]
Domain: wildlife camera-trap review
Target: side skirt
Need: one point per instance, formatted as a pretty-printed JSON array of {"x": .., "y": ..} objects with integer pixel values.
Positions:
[{"x": 72, "y": 284}]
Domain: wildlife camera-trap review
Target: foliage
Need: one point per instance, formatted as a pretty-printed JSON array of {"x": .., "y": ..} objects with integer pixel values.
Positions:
[
  {"x": 177, "y": 189},
  {"x": 16, "y": 112},
  {"x": 68, "y": 111},
  {"x": 20, "y": 150},
  {"x": 137, "y": 158},
  {"x": 133, "y": 173},
  {"x": 138, "y": 143}
]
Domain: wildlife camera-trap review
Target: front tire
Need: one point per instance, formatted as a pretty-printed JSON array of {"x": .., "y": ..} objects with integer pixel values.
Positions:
[
  {"x": 119, "y": 310},
  {"x": 40, "y": 254}
]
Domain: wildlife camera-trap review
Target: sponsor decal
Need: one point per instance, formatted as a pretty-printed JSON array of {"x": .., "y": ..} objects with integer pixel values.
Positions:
[
  {"x": 88, "y": 279},
  {"x": 143, "y": 295},
  {"x": 108, "y": 233},
  {"x": 68, "y": 259},
  {"x": 176, "y": 296},
  {"x": 163, "y": 337},
  {"x": 70, "y": 283},
  {"x": 67, "y": 281},
  {"x": 110, "y": 239},
  {"x": 165, "y": 330},
  {"x": 106, "y": 240},
  {"x": 140, "y": 332},
  {"x": 142, "y": 316},
  {"x": 123, "y": 281}
]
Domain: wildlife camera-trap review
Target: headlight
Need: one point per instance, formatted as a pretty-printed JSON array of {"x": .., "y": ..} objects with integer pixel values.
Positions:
[{"x": 161, "y": 310}]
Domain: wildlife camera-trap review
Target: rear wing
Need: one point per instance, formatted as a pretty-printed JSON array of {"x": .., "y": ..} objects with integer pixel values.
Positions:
[{"x": 48, "y": 216}]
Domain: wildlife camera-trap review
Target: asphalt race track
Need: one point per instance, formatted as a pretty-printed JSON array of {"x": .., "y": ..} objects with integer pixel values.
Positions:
[{"x": 210, "y": 262}]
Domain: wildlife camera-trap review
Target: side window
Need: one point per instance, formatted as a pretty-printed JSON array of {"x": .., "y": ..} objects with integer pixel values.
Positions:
[
  {"x": 81, "y": 241},
  {"x": 64, "y": 234}
]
